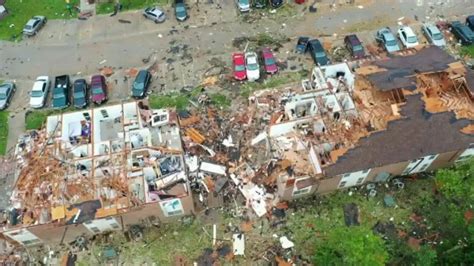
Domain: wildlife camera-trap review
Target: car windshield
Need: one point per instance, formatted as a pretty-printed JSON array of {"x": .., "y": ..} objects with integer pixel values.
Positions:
[
  {"x": 244, "y": 2},
  {"x": 239, "y": 68},
  {"x": 97, "y": 90},
  {"x": 320, "y": 54},
  {"x": 358, "y": 48},
  {"x": 79, "y": 94},
  {"x": 36, "y": 94},
  {"x": 58, "y": 96},
  {"x": 252, "y": 66},
  {"x": 269, "y": 61},
  {"x": 3, "y": 96},
  {"x": 437, "y": 36},
  {"x": 411, "y": 39},
  {"x": 27, "y": 27},
  {"x": 391, "y": 42}
]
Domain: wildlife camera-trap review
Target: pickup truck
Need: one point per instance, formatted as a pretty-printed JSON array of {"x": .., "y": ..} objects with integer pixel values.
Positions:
[{"x": 62, "y": 85}]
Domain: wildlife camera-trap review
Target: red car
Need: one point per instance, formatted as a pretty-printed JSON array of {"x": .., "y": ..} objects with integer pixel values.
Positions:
[
  {"x": 98, "y": 89},
  {"x": 269, "y": 61},
  {"x": 238, "y": 60}
]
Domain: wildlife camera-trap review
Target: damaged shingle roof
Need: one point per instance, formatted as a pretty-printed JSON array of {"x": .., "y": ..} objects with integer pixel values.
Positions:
[
  {"x": 401, "y": 70},
  {"x": 418, "y": 134}
]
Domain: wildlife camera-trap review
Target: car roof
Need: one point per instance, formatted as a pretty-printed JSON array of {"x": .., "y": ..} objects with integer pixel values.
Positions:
[
  {"x": 154, "y": 10},
  {"x": 38, "y": 85},
  {"x": 353, "y": 39},
  {"x": 32, "y": 21},
  {"x": 141, "y": 74},
  {"x": 3, "y": 87},
  {"x": 408, "y": 30},
  {"x": 470, "y": 19},
  {"x": 316, "y": 43},
  {"x": 432, "y": 28},
  {"x": 238, "y": 57}
]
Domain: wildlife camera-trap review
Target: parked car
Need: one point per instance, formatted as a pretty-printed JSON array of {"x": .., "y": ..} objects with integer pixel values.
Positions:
[
  {"x": 253, "y": 69},
  {"x": 61, "y": 92},
  {"x": 354, "y": 45},
  {"x": 39, "y": 92},
  {"x": 34, "y": 25},
  {"x": 141, "y": 83},
  {"x": 80, "y": 93},
  {"x": 386, "y": 38},
  {"x": 269, "y": 62},
  {"x": 98, "y": 89},
  {"x": 462, "y": 32},
  {"x": 180, "y": 10},
  {"x": 408, "y": 37},
  {"x": 433, "y": 34},
  {"x": 7, "y": 89},
  {"x": 243, "y": 5},
  {"x": 302, "y": 45},
  {"x": 276, "y": 3},
  {"x": 470, "y": 22},
  {"x": 317, "y": 52},
  {"x": 155, "y": 14},
  {"x": 260, "y": 3},
  {"x": 238, "y": 61}
]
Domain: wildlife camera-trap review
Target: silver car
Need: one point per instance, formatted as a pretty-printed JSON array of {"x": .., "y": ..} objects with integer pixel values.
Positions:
[
  {"x": 433, "y": 34},
  {"x": 6, "y": 94},
  {"x": 155, "y": 14},
  {"x": 34, "y": 25}
]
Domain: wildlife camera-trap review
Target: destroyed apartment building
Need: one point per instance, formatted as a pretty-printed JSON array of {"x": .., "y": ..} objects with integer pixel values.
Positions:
[
  {"x": 349, "y": 125},
  {"x": 96, "y": 170}
]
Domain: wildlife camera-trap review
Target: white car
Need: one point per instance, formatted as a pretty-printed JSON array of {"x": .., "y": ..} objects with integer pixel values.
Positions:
[
  {"x": 408, "y": 37},
  {"x": 39, "y": 93},
  {"x": 251, "y": 63},
  {"x": 433, "y": 34},
  {"x": 155, "y": 14}
]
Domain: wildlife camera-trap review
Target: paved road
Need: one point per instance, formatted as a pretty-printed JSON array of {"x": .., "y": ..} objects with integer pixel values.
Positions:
[{"x": 183, "y": 50}]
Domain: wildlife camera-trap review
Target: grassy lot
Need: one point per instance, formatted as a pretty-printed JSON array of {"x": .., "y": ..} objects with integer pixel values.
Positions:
[
  {"x": 20, "y": 11},
  {"x": 3, "y": 132},
  {"x": 180, "y": 101},
  {"x": 468, "y": 50},
  {"x": 36, "y": 119},
  {"x": 272, "y": 82},
  {"x": 108, "y": 6}
]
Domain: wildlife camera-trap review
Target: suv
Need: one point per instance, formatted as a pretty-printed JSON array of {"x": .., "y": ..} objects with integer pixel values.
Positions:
[
  {"x": 98, "y": 89},
  {"x": 155, "y": 14},
  {"x": 34, "y": 25},
  {"x": 317, "y": 52},
  {"x": 140, "y": 85},
  {"x": 61, "y": 92},
  {"x": 354, "y": 45},
  {"x": 180, "y": 10},
  {"x": 462, "y": 32},
  {"x": 385, "y": 37}
]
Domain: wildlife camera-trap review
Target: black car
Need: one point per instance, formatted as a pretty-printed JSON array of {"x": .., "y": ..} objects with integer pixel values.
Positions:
[
  {"x": 462, "y": 32},
  {"x": 276, "y": 3},
  {"x": 80, "y": 94},
  {"x": 260, "y": 3},
  {"x": 141, "y": 83},
  {"x": 470, "y": 22},
  {"x": 317, "y": 52},
  {"x": 354, "y": 45}
]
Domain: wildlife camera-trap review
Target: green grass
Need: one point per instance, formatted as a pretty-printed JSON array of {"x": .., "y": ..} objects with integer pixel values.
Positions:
[
  {"x": 272, "y": 82},
  {"x": 468, "y": 51},
  {"x": 20, "y": 11},
  {"x": 108, "y": 7},
  {"x": 37, "y": 118},
  {"x": 3, "y": 132},
  {"x": 177, "y": 100},
  {"x": 220, "y": 100}
]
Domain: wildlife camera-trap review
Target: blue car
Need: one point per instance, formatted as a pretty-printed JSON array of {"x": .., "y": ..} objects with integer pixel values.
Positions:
[
  {"x": 317, "y": 52},
  {"x": 386, "y": 38},
  {"x": 180, "y": 10}
]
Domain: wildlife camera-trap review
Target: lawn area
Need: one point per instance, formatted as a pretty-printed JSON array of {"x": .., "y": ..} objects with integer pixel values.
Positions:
[
  {"x": 3, "y": 132},
  {"x": 468, "y": 50},
  {"x": 180, "y": 101},
  {"x": 36, "y": 119},
  {"x": 20, "y": 11},
  {"x": 108, "y": 6}
]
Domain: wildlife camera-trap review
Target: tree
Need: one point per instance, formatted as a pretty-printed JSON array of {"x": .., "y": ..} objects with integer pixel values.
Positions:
[
  {"x": 351, "y": 246},
  {"x": 457, "y": 183}
]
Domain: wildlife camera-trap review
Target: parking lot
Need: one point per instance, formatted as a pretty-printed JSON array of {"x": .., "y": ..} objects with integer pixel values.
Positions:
[{"x": 178, "y": 54}]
